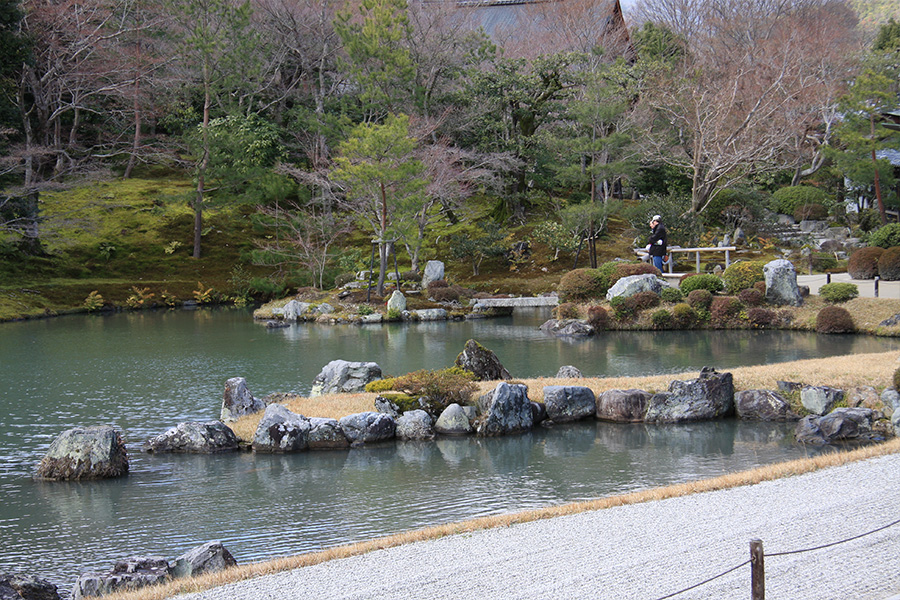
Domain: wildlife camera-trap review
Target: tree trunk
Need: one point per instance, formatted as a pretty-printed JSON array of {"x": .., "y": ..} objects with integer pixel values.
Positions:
[
  {"x": 877, "y": 179},
  {"x": 202, "y": 166}
]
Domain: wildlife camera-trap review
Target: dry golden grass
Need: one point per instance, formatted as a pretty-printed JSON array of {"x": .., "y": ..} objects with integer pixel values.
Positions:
[
  {"x": 767, "y": 473},
  {"x": 841, "y": 372}
]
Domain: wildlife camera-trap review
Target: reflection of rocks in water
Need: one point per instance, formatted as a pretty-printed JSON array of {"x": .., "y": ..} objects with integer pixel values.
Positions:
[
  {"x": 705, "y": 439},
  {"x": 371, "y": 458},
  {"x": 456, "y": 450},
  {"x": 572, "y": 440},
  {"x": 622, "y": 437},
  {"x": 74, "y": 502},
  {"x": 507, "y": 454},
  {"x": 764, "y": 434},
  {"x": 416, "y": 452}
]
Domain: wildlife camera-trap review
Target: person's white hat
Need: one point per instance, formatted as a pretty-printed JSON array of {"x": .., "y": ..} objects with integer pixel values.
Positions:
[{"x": 656, "y": 218}]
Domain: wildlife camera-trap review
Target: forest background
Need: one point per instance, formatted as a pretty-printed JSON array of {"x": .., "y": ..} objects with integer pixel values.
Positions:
[{"x": 254, "y": 147}]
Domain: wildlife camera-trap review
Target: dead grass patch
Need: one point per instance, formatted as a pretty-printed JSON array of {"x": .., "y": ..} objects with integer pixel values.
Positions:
[{"x": 766, "y": 473}]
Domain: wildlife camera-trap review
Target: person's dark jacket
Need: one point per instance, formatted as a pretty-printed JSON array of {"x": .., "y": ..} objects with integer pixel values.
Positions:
[{"x": 658, "y": 235}]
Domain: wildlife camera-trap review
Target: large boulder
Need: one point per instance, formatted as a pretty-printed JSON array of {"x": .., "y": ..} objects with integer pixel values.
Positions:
[
  {"x": 344, "y": 377},
  {"x": 763, "y": 405},
  {"x": 623, "y": 406},
  {"x": 127, "y": 574},
  {"x": 710, "y": 396},
  {"x": 480, "y": 361},
  {"x": 415, "y": 425},
  {"x": 567, "y": 328},
  {"x": 453, "y": 421},
  {"x": 864, "y": 396},
  {"x": 195, "y": 437},
  {"x": 840, "y": 425},
  {"x": 891, "y": 398},
  {"x": 567, "y": 403},
  {"x": 85, "y": 453},
  {"x": 238, "y": 401},
  {"x": 210, "y": 557},
  {"x": 368, "y": 428},
  {"x": 430, "y": 314},
  {"x": 434, "y": 271},
  {"x": 505, "y": 410},
  {"x": 820, "y": 400},
  {"x": 781, "y": 283},
  {"x": 292, "y": 311},
  {"x": 281, "y": 430},
  {"x": 631, "y": 285},
  {"x": 326, "y": 434},
  {"x": 397, "y": 302},
  {"x": 19, "y": 586},
  {"x": 569, "y": 372}
]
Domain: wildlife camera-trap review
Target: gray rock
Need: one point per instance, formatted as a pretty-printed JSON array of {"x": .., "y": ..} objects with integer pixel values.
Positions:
[
  {"x": 396, "y": 302},
  {"x": 538, "y": 413},
  {"x": 837, "y": 233},
  {"x": 415, "y": 425},
  {"x": 281, "y": 430},
  {"x": 324, "y": 309},
  {"x": 781, "y": 283},
  {"x": 891, "y": 397},
  {"x": 453, "y": 421},
  {"x": 85, "y": 453},
  {"x": 788, "y": 387},
  {"x": 195, "y": 437},
  {"x": 565, "y": 403},
  {"x": 368, "y": 428},
  {"x": 895, "y": 421},
  {"x": 485, "y": 365},
  {"x": 127, "y": 574},
  {"x": 210, "y": 557},
  {"x": 370, "y": 319},
  {"x": 740, "y": 238},
  {"x": 710, "y": 396},
  {"x": 386, "y": 407},
  {"x": 623, "y": 406},
  {"x": 292, "y": 311},
  {"x": 629, "y": 286},
  {"x": 326, "y": 433},
  {"x": 238, "y": 401},
  {"x": 865, "y": 396},
  {"x": 434, "y": 271},
  {"x": 890, "y": 321},
  {"x": 763, "y": 405},
  {"x": 344, "y": 377},
  {"x": 431, "y": 314},
  {"x": 568, "y": 372},
  {"x": 813, "y": 226},
  {"x": 840, "y": 425},
  {"x": 507, "y": 410},
  {"x": 819, "y": 400},
  {"x": 19, "y": 586},
  {"x": 567, "y": 328}
]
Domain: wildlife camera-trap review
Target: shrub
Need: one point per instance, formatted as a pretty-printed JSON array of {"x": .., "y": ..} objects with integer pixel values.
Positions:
[
  {"x": 441, "y": 388},
  {"x": 701, "y": 281},
  {"x": 834, "y": 319},
  {"x": 788, "y": 199},
  {"x": 761, "y": 317},
  {"x": 606, "y": 271},
  {"x": 566, "y": 310},
  {"x": 203, "y": 294},
  {"x": 643, "y": 300},
  {"x": 381, "y": 385},
  {"x": 838, "y": 292},
  {"x": 629, "y": 269},
  {"x": 761, "y": 287},
  {"x": 863, "y": 263},
  {"x": 896, "y": 379},
  {"x": 597, "y": 317},
  {"x": 751, "y": 297},
  {"x": 700, "y": 299},
  {"x": 445, "y": 294},
  {"x": 394, "y": 314},
  {"x": 889, "y": 264},
  {"x": 343, "y": 279},
  {"x": 724, "y": 311},
  {"x": 582, "y": 284},
  {"x": 684, "y": 316},
  {"x": 886, "y": 236},
  {"x": 742, "y": 275},
  {"x": 813, "y": 212},
  {"x": 410, "y": 276},
  {"x": 621, "y": 309},
  {"x": 671, "y": 295},
  {"x": 662, "y": 319},
  {"x": 139, "y": 298},
  {"x": 437, "y": 284},
  {"x": 94, "y": 301}
]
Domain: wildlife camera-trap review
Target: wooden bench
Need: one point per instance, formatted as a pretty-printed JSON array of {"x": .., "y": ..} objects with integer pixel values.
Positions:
[{"x": 726, "y": 249}]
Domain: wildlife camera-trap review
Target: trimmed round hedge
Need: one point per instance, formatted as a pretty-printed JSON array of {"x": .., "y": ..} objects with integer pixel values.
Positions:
[
  {"x": 701, "y": 281},
  {"x": 788, "y": 199},
  {"x": 742, "y": 275},
  {"x": 838, "y": 291},
  {"x": 863, "y": 263},
  {"x": 834, "y": 319},
  {"x": 582, "y": 284},
  {"x": 886, "y": 236},
  {"x": 889, "y": 264}
]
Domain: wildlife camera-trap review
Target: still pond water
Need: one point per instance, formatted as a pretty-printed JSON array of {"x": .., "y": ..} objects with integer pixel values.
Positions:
[{"x": 144, "y": 372}]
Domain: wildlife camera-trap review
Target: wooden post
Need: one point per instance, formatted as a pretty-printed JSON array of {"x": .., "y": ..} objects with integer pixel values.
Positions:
[
  {"x": 876, "y": 285},
  {"x": 698, "y": 261},
  {"x": 757, "y": 571}
]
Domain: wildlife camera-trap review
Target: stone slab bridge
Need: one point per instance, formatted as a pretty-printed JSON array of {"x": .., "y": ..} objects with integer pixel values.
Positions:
[{"x": 518, "y": 302}]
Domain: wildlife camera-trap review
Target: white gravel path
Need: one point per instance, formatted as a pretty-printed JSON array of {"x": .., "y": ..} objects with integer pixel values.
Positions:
[{"x": 642, "y": 552}]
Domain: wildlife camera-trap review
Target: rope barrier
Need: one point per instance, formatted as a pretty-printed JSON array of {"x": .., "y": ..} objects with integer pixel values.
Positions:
[{"x": 786, "y": 553}]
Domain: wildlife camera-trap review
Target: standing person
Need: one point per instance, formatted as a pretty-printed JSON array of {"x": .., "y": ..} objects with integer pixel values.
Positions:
[{"x": 658, "y": 242}]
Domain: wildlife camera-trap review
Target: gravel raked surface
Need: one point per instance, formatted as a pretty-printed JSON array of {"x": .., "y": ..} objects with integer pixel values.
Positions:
[{"x": 642, "y": 551}]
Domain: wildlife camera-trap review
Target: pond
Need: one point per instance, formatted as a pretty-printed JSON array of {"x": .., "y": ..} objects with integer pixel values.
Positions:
[{"x": 144, "y": 372}]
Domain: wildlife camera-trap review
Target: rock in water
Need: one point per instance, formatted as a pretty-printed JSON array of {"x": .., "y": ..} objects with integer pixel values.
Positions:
[
  {"x": 26, "y": 587},
  {"x": 207, "y": 558},
  {"x": 281, "y": 430},
  {"x": 196, "y": 438},
  {"x": 566, "y": 403},
  {"x": 507, "y": 410},
  {"x": 238, "y": 401},
  {"x": 129, "y": 573},
  {"x": 85, "y": 453},
  {"x": 344, "y": 377},
  {"x": 477, "y": 359}
]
